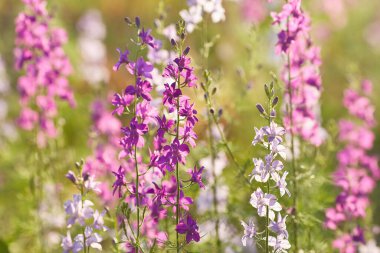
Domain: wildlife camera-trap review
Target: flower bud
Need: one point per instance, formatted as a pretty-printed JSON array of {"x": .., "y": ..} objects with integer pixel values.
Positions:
[
  {"x": 71, "y": 176},
  {"x": 128, "y": 21},
  {"x": 275, "y": 101},
  {"x": 186, "y": 51},
  {"x": 137, "y": 21},
  {"x": 260, "y": 108}
]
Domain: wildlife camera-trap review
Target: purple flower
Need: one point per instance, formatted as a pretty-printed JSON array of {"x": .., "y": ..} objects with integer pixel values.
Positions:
[
  {"x": 146, "y": 38},
  {"x": 123, "y": 59},
  {"x": 174, "y": 153},
  {"x": 120, "y": 181},
  {"x": 189, "y": 227},
  {"x": 142, "y": 89},
  {"x": 196, "y": 176},
  {"x": 261, "y": 201},
  {"x": 133, "y": 135},
  {"x": 141, "y": 68}
]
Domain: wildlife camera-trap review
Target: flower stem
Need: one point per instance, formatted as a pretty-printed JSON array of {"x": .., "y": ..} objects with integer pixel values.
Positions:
[
  {"x": 177, "y": 163},
  {"x": 268, "y": 184}
]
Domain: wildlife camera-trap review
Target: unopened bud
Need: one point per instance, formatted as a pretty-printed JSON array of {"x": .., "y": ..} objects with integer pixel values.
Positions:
[
  {"x": 186, "y": 51},
  {"x": 71, "y": 176},
  {"x": 260, "y": 108},
  {"x": 137, "y": 21}
]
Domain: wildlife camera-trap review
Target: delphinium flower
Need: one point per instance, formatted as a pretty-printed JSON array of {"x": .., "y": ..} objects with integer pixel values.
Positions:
[
  {"x": 303, "y": 88},
  {"x": 135, "y": 177},
  {"x": 357, "y": 171},
  {"x": 196, "y": 9},
  {"x": 104, "y": 139},
  {"x": 173, "y": 142},
  {"x": 92, "y": 32},
  {"x": 300, "y": 73},
  {"x": 270, "y": 174},
  {"x": 80, "y": 213},
  {"x": 40, "y": 57}
]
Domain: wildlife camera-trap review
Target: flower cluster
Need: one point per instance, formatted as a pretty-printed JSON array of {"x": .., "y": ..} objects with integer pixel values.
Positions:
[
  {"x": 80, "y": 212},
  {"x": 193, "y": 15},
  {"x": 357, "y": 171},
  {"x": 300, "y": 73},
  {"x": 92, "y": 32},
  {"x": 150, "y": 189},
  {"x": 174, "y": 139},
  {"x": 269, "y": 171},
  {"x": 136, "y": 177},
  {"x": 40, "y": 54}
]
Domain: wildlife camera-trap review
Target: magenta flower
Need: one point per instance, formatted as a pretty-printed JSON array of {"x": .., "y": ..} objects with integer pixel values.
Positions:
[
  {"x": 134, "y": 134},
  {"x": 189, "y": 227},
  {"x": 174, "y": 153},
  {"x": 121, "y": 102},
  {"x": 142, "y": 89}
]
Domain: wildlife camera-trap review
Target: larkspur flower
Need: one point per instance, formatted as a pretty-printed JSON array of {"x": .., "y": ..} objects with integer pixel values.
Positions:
[
  {"x": 196, "y": 176},
  {"x": 263, "y": 202},
  {"x": 249, "y": 231},
  {"x": 355, "y": 178},
  {"x": 189, "y": 227},
  {"x": 39, "y": 52},
  {"x": 269, "y": 170}
]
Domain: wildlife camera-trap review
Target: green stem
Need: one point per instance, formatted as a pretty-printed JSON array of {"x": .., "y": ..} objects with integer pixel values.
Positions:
[
  {"x": 177, "y": 164},
  {"x": 268, "y": 184}
]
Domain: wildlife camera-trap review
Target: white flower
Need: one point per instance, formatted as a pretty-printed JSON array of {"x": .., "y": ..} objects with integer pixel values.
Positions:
[
  {"x": 249, "y": 231},
  {"x": 262, "y": 201},
  {"x": 259, "y": 137},
  {"x": 99, "y": 221},
  {"x": 370, "y": 247},
  {"x": 277, "y": 148},
  {"x": 170, "y": 32},
  {"x": 281, "y": 184},
  {"x": 91, "y": 184},
  {"x": 279, "y": 244},
  {"x": 192, "y": 17}
]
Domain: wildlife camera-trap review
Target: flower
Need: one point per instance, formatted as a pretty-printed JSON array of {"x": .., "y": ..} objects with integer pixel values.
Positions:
[
  {"x": 189, "y": 227},
  {"x": 120, "y": 181},
  {"x": 279, "y": 227},
  {"x": 123, "y": 59},
  {"x": 262, "y": 201},
  {"x": 196, "y": 176},
  {"x": 78, "y": 211},
  {"x": 280, "y": 244},
  {"x": 249, "y": 231},
  {"x": 146, "y": 38}
]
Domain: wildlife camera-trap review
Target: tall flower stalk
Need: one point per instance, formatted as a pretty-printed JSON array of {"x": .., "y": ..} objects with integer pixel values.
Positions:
[
  {"x": 303, "y": 86},
  {"x": 269, "y": 173},
  {"x": 357, "y": 171}
]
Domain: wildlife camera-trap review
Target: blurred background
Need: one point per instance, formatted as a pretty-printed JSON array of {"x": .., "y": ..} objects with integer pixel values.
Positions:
[{"x": 241, "y": 60}]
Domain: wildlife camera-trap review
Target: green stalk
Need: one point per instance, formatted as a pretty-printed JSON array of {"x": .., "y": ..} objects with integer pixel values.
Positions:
[
  {"x": 177, "y": 164},
  {"x": 268, "y": 184}
]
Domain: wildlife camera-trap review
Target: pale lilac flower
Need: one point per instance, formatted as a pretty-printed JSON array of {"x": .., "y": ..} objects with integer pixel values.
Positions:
[
  {"x": 279, "y": 227},
  {"x": 280, "y": 244},
  {"x": 249, "y": 231},
  {"x": 261, "y": 201},
  {"x": 78, "y": 211},
  {"x": 281, "y": 184}
]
